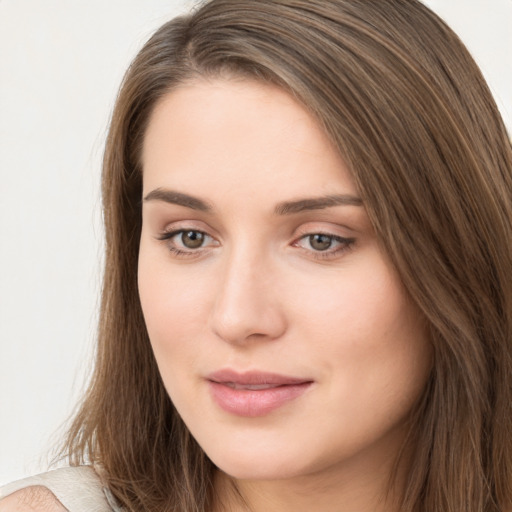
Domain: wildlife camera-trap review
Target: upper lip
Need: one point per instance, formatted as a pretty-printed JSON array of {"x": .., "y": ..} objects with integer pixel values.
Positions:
[{"x": 254, "y": 377}]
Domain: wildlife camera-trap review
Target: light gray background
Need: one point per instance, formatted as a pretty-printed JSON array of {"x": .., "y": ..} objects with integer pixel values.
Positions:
[{"x": 61, "y": 62}]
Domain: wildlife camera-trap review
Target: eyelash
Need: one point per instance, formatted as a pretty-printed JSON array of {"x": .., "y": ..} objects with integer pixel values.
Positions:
[
  {"x": 190, "y": 253},
  {"x": 345, "y": 244}
]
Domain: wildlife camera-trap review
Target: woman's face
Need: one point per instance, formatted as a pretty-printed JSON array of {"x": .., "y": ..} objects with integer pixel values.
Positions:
[{"x": 281, "y": 331}]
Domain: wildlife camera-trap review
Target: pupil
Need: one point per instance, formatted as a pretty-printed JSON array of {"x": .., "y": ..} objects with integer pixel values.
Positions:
[
  {"x": 192, "y": 239},
  {"x": 320, "y": 242}
]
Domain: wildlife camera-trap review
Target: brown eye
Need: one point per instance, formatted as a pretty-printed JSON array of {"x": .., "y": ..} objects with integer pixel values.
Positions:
[
  {"x": 324, "y": 246},
  {"x": 192, "y": 239},
  {"x": 187, "y": 242},
  {"x": 320, "y": 242}
]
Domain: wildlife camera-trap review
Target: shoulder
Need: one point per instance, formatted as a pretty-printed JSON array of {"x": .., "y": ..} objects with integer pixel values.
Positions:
[
  {"x": 73, "y": 489},
  {"x": 31, "y": 499}
]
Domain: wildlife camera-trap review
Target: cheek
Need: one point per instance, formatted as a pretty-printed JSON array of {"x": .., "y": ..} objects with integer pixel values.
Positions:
[
  {"x": 173, "y": 307},
  {"x": 173, "y": 304},
  {"x": 365, "y": 329},
  {"x": 358, "y": 305}
]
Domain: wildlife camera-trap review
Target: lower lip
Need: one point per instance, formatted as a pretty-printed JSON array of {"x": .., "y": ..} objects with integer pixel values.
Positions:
[{"x": 253, "y": 403}]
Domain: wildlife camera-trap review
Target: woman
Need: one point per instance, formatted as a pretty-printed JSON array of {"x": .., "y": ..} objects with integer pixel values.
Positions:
[{"x": 307, "y": 301}]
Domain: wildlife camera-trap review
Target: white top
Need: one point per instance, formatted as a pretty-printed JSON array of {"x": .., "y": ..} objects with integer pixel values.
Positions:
[{"x": 79, "y": 489}]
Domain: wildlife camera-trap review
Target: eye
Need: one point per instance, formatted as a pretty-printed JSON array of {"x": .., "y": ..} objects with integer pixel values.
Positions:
[
  {"x": 320, "y": 242},
  {"x": 184, "y": 242},
  {"x": 191, "y": 239},
  {"x": 324, "y": 245}
]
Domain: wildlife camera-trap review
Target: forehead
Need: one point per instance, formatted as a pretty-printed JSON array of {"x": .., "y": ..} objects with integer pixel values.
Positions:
[{"x": 253, "y": 137}]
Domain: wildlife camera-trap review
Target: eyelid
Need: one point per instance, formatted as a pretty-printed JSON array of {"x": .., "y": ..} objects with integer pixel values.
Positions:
[
  {"x": 181, "y": 251},
  {"x": 171, "y": 227},
  {"x": 321, "y": 233},
  {"x": 168, "y": 234},
  {"x": 341, "y": 243},
  {"x": 344, "y": 243}
]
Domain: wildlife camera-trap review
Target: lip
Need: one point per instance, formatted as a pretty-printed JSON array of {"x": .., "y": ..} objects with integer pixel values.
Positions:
[{"x": 254, "y": 393}]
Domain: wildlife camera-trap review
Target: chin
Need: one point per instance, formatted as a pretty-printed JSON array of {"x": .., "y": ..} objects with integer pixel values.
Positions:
[
  {"x": 260, "y": 464},
  {"x": 255, "y": 470}
]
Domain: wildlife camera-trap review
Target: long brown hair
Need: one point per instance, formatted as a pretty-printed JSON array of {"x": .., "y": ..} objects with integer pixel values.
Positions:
[{"x": 412, "y": 117}]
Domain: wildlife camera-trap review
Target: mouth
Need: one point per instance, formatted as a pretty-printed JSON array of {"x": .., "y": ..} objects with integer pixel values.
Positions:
[
  {"x": 250, "y": 387},
  {"x": 254, "y": 393}
]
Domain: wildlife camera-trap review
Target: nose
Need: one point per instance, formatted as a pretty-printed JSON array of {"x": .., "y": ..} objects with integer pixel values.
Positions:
[{"x": 246, "y": 307}]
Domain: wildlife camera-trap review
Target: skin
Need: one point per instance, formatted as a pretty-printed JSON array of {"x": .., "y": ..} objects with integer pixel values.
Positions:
[
  {"x": 258, "y": 294},
  {"x": 30, "y": 499}
]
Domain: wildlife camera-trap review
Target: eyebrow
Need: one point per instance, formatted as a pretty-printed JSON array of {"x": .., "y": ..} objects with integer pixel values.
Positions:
[
  {"x": 284, "y": 208},
  {"x": 317, "y": 203},
  {"x": 173, "y": 197}
]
